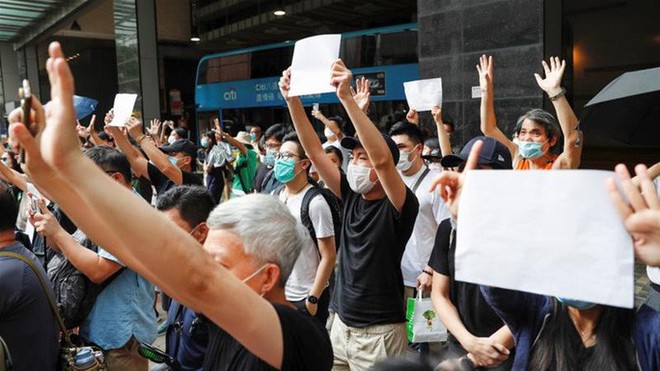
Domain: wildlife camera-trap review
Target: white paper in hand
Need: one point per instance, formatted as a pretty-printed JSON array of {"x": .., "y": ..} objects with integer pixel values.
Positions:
[
  {"x": 29, "y": 228},
  {"x": 553, "y": 233},
  {"x": 422, "y": 95},
  {"x": 311, "y": 65},
  {"x": 122, "y": 109}
]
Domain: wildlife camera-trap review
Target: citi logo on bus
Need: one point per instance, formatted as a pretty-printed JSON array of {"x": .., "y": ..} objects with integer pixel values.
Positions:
[{"x": 230, "y": 95}]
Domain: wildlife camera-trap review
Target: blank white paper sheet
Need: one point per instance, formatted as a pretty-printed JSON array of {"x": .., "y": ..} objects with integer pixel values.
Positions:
[
  {"x": 422, "y": 95},
  {"x": 311, "y": 66},
  {"x": 553, "y": 233}
]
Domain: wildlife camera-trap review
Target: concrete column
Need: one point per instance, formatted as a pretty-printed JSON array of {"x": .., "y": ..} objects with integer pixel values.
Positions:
[
  {"x": 32, "y": 64},
  {"x": 452, "y": 36},
  {"x": 9, "y": 76},
  {"x": 137, "y": 53}
]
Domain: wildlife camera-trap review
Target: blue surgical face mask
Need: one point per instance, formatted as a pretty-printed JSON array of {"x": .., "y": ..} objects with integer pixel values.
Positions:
[
  {"x": 269, "y": 159},
  {"x": 205, "y": 142},
  {"x": 577, "y": 304},
  {"x": 529, "y": 150},
  {"x": 284, "y": 170},
  {"x": 253, "y": 137},
  {"x": 173, "y": 160}
]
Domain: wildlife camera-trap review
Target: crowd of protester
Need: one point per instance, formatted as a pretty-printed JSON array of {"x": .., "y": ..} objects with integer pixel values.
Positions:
[{"x": 275, "y": 250}]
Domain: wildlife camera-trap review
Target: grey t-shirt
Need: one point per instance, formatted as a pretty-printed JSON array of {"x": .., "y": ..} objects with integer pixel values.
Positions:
[{"x": 27, "y": 323}]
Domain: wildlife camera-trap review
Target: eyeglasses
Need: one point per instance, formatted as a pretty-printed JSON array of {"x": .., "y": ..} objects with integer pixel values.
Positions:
[{"x": 285, "y": 156}]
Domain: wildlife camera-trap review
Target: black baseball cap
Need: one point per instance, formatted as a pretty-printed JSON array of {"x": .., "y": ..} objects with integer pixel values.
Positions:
[
  {"x": 352, "y": 142},
  {"x": 181, "y": 145},
  {"x": 492, "y": 153}
]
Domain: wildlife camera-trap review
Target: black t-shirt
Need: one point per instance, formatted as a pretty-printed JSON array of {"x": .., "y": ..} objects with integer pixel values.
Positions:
[
  {"x": 27, "y": 323},
  {"x": 477, "y": 316},
  {"x": 306, "y": 346},
  {"x": 369, "y": 286},
  {"x": 163, "y": 183}
]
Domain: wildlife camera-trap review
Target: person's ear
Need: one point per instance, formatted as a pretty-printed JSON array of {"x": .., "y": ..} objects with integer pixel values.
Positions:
[
  {"x": 553, "y": 141},
  {"x": 187, "y": 160},
  {"x": 201, "y": 232},
  {"x": 271, "y": 278}
]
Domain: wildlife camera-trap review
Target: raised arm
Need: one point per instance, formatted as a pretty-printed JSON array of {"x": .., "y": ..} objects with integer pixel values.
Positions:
[
  {"x": 139, "y": 164},
  {"x": 167, "y": 256},
  {"x": 443, "y": 136},
  {"x": 332, "y": 125},
  {"x": 13, "y": 177},
  {"x": 311, "y": 143},
  {"x": 370, "y": 138},
  {"x": 157, "y": 157},
  {"x": 488, "y": 119},
  {"x": 240, "y": 146},
  {"x": 570, "y": 157},
  {"x": 95, "y": 267}
]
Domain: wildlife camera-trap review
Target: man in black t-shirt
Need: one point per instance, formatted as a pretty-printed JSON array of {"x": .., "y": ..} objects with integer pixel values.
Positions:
[
  {"x": 170, "y": 165},
  {"x": 27, "y": 323},
  {"x": 476, "y": 334},
  {"x": 378, "y": 218}
]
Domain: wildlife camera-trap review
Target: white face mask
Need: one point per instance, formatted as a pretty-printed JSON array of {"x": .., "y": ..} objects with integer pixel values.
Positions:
[
  {"x": 404, "y": 160},
  {"x": 328, "y": 133},
  {"x": 358, "y": 178},
  {"x": 171, "y": 139}
]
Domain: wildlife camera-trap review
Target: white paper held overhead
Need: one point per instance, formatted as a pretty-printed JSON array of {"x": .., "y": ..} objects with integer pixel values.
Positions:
[
  {"x": 553, "y": 233},
  {"x": 311, "y": 65},
  {"x": 122, "y": 109},
  {"x": 422, "y": 95}
]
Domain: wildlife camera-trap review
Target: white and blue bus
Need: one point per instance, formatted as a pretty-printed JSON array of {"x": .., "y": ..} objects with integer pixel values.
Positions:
[{"x": 241, "y": 86}]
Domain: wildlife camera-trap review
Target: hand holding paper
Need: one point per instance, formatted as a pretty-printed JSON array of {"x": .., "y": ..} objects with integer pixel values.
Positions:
[
  {"x": 122, "y": 109},
  {"x": 422, "y": 95},
  {"x": 311, "y": 63}
]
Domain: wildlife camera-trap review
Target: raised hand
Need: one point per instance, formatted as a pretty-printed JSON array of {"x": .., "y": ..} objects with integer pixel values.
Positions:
[
  {"x": 450, "y": 183},
  {"x": 485, "y": 69},
  {"x": 154, "y": 127},
  {"x": 55, "y": 146},
  {"x": 436, "y": 112},
  {"x": 342, "y": 78},
  {"x": 317, "y": 114},
  {"x": 81, "y": 130},
  {"x": 641, "y": 216},
  {"x": 363, "y": 95},
  {"x": 285, "y": 83},
  {"x": 108, "y": 117},
  {"x": 413, "y": 117},
  {"x": 551, "y": 84},
  {"x": 134, "y": 127}
]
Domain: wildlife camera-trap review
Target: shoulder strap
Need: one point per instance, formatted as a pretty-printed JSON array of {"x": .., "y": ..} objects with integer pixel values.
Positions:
[
  {"x": 5, "y": 357},
  {"x": 420, "y": 179},
  {"x": 44, "y": 287},
  {"x": 304, "y": 212}
]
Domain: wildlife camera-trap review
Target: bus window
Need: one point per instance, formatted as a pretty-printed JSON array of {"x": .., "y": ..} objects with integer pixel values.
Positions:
[{"x": 270, "y": 62}]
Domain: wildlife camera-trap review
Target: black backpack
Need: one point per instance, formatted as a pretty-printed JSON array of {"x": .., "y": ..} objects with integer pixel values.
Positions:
[
  {"x": 333, "y": 202},
  {"x": 74, "y": 292}
]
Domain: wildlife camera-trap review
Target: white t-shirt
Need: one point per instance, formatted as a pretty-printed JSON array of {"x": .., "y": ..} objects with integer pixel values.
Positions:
[
  {"x": 432, "y": 210},
  {"x": 302, "y": 277}
]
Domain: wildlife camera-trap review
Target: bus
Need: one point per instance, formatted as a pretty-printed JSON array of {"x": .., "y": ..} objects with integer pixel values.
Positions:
[{"x": 241, "y": 86}]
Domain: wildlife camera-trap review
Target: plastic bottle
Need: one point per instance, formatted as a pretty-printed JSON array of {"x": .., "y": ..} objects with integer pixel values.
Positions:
[{"x": 85, "y": 360}]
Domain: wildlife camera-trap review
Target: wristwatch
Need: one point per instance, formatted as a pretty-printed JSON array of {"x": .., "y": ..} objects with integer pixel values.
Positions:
[{"x": 313, "y": 299}]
